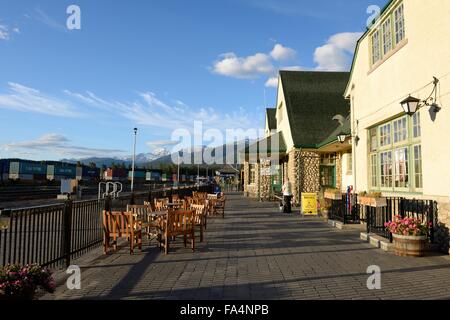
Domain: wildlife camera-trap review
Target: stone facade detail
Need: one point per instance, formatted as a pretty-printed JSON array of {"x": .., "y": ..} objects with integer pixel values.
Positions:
[
  {"x": 266, "y": 180},
  {"x": 309, "y": 172},
  {"x": 442, "y": 231},
  {"x": 339, "y": 171}
]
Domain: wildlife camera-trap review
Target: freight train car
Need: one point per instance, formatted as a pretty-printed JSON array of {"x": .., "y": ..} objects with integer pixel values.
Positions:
[
  {"x": 139, "y": 175},
  {"x": 86, "y": 173},
  {"x": 153, "y": 176},
  {"x": 118, "y": 174},
  {"x": 60, "y": 171}
]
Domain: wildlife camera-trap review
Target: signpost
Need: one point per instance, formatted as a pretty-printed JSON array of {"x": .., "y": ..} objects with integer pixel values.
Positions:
[{"x": 309, "y": 204}]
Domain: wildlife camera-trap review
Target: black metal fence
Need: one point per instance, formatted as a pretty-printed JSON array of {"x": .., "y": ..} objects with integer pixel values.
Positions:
[
  {"x": 425, "y": 210},
  {"x": 53, "y": 235},
  {"x": 345, "y": 210}
]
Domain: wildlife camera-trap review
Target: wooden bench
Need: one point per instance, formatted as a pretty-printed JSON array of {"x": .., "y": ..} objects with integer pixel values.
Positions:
[{"x": 116, "y": 225}]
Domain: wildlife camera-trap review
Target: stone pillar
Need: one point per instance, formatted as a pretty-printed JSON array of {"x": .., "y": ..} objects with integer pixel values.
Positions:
[
  {"x": 293, "y": 173},
  {"x": 309, "y": 170},
  {"x": 442, "y": 231},
  {"x": 339, "y": 170},
  {"x": 266, "y": 180},
  {"x": 246, "y": 178}
]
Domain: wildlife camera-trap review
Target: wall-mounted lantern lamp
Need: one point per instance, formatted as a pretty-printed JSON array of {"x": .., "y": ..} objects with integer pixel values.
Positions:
[
  {"x": 411, "y": 104},
  {"x": 342, "y": 137}
]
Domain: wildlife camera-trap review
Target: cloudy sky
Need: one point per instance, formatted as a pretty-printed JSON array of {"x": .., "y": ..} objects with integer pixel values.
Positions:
[{"x": 156, "y": 65}]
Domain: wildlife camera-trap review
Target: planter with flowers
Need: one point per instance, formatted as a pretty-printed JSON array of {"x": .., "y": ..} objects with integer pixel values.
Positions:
[
  {"x": 23, "y": 282},
  {"x": 410, "y": 236}
]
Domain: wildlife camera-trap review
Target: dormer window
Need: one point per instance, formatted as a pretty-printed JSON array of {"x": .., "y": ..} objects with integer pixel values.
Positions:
[{"x": 388, "y": 35}]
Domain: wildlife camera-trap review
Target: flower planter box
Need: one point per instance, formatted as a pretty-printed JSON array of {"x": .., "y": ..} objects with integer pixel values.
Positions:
[
  {"x": 410, "y": 246},
  {"x": 372, "y": 202},
  {"x": 333, "y": 196}
]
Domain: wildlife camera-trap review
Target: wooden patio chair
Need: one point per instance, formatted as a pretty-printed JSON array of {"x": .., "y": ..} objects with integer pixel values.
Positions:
[
  {"x": 117, "y": 224},
  {"x": 199, "y": 218},
  {"x": 219, "y": 206},
  {"x": 178, "y": 223},
  {"x": 143, "y": 214},
  {"x": 161, "y": 204}
]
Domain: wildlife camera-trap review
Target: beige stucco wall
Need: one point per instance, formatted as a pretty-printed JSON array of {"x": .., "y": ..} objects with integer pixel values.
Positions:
[
  {"x": 376, "y": 94},
  {"x": 346, "y": 177},
  {"x": 283, "y": 122}
]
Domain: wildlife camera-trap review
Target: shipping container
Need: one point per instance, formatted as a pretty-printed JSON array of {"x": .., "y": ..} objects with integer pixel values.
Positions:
[
  {"x": 30, "y": 168},
  {"x": 138, "y": 174}
]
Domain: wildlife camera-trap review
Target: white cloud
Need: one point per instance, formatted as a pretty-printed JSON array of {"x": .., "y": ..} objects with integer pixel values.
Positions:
[
  {"x": 57, "y": 144},
  {"x": 281, "y": 53},
  {"x": 255, "y": 66},
  {"x": 336, "y": 54},
  {"x": 272, "y": 82},
  {"x": 16, "y": 30},
  {"x": 149, "y": 110},
  {"x": 25, "y": 99},
  {"x": 250, "y": 67},
  {"x": 4, "y": 33}
]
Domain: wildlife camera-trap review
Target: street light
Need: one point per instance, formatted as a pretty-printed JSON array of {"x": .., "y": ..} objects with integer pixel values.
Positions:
[{"x": 134, "y": 160}]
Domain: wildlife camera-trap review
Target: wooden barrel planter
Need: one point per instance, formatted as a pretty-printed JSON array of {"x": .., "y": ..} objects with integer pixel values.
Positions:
[{"x": 410, "y": 246}]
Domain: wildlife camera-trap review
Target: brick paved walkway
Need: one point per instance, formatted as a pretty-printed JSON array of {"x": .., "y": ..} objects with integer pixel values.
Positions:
[{"x": 257, "y": 253}]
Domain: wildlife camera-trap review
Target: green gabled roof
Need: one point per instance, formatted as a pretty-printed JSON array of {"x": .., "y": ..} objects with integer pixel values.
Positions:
[
  {"x": 272, "y": 118},
  {"x": 270, "y": 145},
  {"x": 345, "y": 128},
  {"x": 312, "y": 100}
]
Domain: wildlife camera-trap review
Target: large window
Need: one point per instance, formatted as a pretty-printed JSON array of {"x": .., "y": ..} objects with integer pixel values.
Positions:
[
  {"x": 389, "y": 33},
  {"x": 395, "y": 155},
  {"x": 328, "y": 170}
]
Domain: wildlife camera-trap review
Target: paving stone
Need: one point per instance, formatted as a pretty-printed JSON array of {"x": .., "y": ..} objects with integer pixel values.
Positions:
[{"x": 258, "y": 253}]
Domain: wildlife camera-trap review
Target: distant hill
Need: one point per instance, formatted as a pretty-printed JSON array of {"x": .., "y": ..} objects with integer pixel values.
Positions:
[{"x": 162, "y": 156}]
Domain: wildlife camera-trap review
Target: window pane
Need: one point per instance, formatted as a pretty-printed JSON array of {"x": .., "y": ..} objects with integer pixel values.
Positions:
[
  {"x": 387, "y": 36},
  {"x": 400, "y": 130},
  {"x": 373, "y": 140},
  {"x": 401, "y": 168},
  {"x": 386, "y": 169},
  {"x": 385, "y": 135},
  {"x": 399, "y": 24},
  {"x": 373, "y": 166},
  {"x": 376, "y": 47},
  {"x": 418, "y": 166},
  {"x": 417, "y": 131}
]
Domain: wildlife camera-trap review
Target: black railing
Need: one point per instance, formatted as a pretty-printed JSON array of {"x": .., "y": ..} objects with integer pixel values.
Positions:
[
  {"x": 345, "y": 210},
  {"x": 425, "y": 210},
  {"x": 53, "y": 235}
]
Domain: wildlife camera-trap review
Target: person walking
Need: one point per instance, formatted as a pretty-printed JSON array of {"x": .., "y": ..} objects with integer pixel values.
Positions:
[{"x": 287, "y": 196}]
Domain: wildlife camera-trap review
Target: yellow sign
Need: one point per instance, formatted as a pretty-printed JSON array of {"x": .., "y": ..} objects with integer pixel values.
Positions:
[{"x": 309, "y": 204}]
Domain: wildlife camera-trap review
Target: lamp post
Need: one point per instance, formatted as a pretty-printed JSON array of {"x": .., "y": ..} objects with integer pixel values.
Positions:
[{"x": 134, "y": 160}]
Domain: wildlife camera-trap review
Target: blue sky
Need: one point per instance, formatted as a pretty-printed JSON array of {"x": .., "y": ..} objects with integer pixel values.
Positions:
[{"x": 155, "y": 65}]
